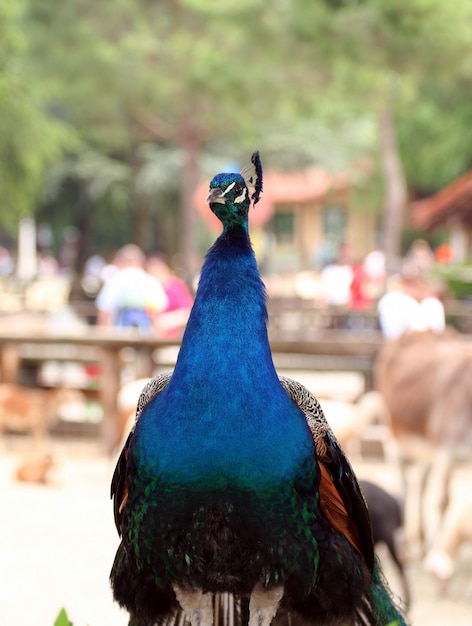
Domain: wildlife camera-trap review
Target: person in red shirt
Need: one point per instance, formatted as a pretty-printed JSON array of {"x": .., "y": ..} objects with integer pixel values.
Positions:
[{"x": 360, "y": 299}]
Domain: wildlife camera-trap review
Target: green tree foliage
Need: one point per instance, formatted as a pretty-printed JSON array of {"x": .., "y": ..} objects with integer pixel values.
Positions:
[
  {"x": 401, "y": 63},
  {"x": 150, "y": 87},
  {"x": 185, "y": 74},
  {"x": 174, "y": 73},
  {"x": 30, "y": 138}
]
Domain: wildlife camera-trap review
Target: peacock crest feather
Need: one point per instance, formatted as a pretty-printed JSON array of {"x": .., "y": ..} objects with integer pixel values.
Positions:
[{"x": 252, "y": 174}]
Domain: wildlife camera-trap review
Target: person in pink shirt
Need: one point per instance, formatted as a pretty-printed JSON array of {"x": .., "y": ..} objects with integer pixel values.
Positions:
[{"x": 171, "y": 321}]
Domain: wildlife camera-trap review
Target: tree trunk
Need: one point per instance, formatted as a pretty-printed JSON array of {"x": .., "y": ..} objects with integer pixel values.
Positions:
[
  {"x": 140, "y": 214},
  {"x": 190, "y": 144},
  {"x": 142, "y": 233},
  {"x": 85, "y": 227},
  {"x": 395, "y": 193}
]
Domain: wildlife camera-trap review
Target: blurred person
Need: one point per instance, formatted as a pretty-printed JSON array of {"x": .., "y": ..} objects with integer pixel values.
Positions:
[
  {"x": 336, "y": 281},
  {"x": 374, "y": 267},
  {"x": 433, "y": 313},
  {"x": 131, "y": 297},
  {"x": 7, "y": 265},
  {"x": 410, "y": 304},
  {"x": 360, "y": 296},
  {"x": 110, "y": 268},
  {"x": 172, "y": 320},
  {"x": 374, "y": 264},
  {"x": 47, "y": 265},
  {"x": 444, "y": 253},
  {"x": 421, "y": 256},
  {"x": 91, "y": 281}
]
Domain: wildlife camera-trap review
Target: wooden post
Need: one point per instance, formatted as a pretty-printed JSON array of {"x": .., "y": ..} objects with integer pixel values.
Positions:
[
  {"x": 110, "y": 385},
  {"x": 144, "y": 362},
  {"x": 10, "y": 362}
]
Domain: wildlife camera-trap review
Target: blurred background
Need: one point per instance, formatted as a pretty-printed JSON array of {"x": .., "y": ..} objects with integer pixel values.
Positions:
[{"x": 113, "y": 118}]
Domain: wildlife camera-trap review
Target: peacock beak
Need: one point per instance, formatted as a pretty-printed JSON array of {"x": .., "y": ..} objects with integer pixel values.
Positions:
[{"x": 216, "y": 195}]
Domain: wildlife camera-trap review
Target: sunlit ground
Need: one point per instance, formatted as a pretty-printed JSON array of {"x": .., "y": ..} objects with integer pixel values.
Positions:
[{"x": 57, "y": 543}]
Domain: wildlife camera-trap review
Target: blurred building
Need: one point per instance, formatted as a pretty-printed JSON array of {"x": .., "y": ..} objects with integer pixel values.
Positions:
[{"x": 449, "y": 208}]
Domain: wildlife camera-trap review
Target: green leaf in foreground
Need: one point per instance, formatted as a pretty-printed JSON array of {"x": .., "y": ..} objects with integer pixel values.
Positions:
[{"x": 62, "y": 619}]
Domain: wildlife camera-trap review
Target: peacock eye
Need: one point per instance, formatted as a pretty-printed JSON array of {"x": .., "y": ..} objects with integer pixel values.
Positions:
[{"x": 240, "y": 194}]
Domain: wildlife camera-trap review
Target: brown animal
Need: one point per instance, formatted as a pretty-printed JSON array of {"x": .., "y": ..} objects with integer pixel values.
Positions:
[
  {"x": 455, "y": 531},
  {"x": 28, "y": 410},
  {"x": 35, "y": 469},
  {"x": 426, "y": 382}
]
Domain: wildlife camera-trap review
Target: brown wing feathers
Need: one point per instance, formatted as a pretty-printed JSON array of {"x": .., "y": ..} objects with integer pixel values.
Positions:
[{"x": 335, "y": 511}]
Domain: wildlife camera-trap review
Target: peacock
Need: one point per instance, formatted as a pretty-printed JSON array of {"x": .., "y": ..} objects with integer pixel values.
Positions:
[{"x": 233, "y": 500}]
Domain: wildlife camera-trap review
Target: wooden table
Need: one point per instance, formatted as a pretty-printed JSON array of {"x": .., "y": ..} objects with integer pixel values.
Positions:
[
  {"x": 89, "y": 344},
  {"x": 327, "y": 350}
]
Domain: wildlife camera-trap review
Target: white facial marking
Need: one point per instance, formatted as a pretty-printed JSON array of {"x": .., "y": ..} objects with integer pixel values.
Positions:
[
  {"x": 228, "y": 188},
  {"x": 242, "y": 197}
]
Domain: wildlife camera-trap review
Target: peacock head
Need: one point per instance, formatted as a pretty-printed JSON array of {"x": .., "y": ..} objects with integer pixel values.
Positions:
[{"x": 231, "y": 193}]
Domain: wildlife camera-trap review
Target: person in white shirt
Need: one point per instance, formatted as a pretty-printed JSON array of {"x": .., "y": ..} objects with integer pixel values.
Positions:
[
  {"x": 404, "y": 307},
  {"x": 336, "y": 279},
  {"x": 131, "y": 297}
]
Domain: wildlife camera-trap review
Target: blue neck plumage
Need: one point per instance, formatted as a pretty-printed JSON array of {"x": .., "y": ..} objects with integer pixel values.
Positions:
[{"x": 229, "y": 316}]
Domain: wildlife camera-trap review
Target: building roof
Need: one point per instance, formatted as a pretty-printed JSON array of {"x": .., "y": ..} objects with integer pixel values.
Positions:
[{"x": 453, "y": 201}]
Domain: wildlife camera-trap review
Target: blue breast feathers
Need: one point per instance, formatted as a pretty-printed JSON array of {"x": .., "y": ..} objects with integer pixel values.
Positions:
[{"x": 224, "y": 416}]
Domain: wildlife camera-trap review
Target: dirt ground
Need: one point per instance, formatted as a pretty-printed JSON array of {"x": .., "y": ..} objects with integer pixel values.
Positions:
[{"x": 57, "y": 544}]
